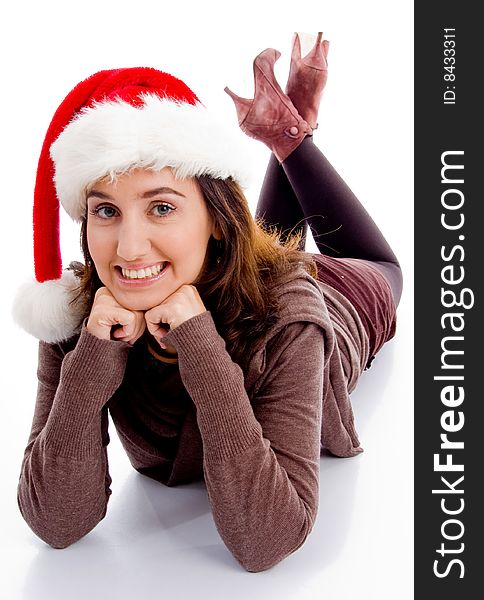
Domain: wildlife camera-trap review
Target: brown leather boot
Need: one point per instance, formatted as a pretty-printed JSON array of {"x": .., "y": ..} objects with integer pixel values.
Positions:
[
  {"x": 307, "y": 78},
  {"x": 271, "y": 116}
]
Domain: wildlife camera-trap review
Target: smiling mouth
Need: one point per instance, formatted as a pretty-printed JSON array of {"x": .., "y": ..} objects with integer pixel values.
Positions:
[{"x": 146, "y": 273}]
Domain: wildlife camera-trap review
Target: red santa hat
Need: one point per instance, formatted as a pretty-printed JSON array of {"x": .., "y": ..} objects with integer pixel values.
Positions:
[{"x": 111, "y": 122}]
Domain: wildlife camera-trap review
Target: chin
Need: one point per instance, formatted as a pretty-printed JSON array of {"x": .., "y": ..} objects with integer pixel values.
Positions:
[{"x": 130, "y": 302}]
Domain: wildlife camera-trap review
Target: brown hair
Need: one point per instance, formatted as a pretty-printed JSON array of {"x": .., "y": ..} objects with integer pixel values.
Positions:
[{"x": 240, "y": 271}]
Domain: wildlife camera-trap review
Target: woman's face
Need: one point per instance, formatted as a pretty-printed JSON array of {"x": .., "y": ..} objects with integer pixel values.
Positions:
[{"x": 140, "y": 222}]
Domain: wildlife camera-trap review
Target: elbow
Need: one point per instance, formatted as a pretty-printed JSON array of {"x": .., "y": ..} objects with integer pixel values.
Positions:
[
  {"x": 258, "y": 561},
  {"x": 257, "y": 566},
  {"x": 57, "y": 531},
  {"x": 59, "y": 541},
  {"x": 54, "y": 535},
  {"x": 58, "y": 538},
  {"x": 260, "y": 556}
]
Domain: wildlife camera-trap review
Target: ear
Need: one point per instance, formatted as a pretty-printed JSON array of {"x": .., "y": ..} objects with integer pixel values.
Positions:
[{"x": 216, "y": 232}]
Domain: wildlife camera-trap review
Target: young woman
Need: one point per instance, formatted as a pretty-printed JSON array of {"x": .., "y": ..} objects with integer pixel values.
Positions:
[{"x": 219, "y": 347}]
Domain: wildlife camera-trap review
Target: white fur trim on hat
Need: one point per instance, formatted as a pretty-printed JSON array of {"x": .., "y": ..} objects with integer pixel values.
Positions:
[
  {"x": 44, "y": 309},
  {"x": 112, "y": 137}
]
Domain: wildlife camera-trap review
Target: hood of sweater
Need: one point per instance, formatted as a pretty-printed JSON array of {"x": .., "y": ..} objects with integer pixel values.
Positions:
[
  {"x": 302, "y": 299},
  {"x": 346, "y": 348}
]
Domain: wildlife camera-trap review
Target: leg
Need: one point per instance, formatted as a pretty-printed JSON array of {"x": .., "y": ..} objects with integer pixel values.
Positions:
[
  {"x": 278, "y": 204},
  {"x": 341, "y": 227},
  {"x": 332, "y": 210}
]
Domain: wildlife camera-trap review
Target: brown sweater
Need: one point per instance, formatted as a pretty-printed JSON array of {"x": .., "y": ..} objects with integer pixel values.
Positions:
[{"x": 255, "y": 437}]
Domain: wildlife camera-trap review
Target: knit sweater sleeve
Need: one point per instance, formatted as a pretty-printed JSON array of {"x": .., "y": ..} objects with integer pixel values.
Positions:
[
  {"x": 64, "y": 481},
  {"x": 261, "y": 460}
]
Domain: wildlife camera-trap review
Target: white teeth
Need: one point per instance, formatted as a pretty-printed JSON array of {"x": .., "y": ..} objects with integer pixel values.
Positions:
[{"x": 143, "y": 273}]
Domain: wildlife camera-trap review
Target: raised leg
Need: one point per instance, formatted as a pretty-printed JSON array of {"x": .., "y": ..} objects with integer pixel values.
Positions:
[
  {"x": 278, "y": 204},
  {"x": 340, "y": 225},
  {"x": 300, "y": 185}
]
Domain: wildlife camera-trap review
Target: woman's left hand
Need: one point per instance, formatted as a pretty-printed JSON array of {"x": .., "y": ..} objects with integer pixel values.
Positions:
[{"x": 182, "y": 305}]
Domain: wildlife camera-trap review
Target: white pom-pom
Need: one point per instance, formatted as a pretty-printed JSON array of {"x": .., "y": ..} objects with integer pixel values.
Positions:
[{"x": 45, "y": 310}]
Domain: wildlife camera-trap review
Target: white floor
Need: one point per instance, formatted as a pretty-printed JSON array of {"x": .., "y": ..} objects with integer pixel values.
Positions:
[{"x": 157, "y": 540}]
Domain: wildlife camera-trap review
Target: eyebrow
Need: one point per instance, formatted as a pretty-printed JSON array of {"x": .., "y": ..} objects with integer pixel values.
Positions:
[{"x": 148, "y": 194}]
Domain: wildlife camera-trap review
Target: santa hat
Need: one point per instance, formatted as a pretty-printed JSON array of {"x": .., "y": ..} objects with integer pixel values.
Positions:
[{"x": 109, "y": 123}]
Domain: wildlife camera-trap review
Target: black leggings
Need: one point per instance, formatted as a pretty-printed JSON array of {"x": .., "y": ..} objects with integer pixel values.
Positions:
[{"x": 307, "y": 188}]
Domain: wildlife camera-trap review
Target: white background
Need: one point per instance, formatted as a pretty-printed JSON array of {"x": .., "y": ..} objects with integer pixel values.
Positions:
[{"x": 157, "y": 541}]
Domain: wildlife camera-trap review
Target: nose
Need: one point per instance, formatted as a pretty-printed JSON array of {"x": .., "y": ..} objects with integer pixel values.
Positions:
[{"x": 133, "y": 240}]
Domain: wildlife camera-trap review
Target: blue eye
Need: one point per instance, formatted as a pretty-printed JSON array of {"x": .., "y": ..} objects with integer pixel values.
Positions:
[
  {"x": 160, "y": 213},
  {"x": 104, "y": 212}
]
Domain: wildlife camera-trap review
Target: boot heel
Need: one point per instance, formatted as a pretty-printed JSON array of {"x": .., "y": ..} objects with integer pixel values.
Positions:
[
  {"x": 316, "y": 58},
  {"x": 307, "y": 78}
]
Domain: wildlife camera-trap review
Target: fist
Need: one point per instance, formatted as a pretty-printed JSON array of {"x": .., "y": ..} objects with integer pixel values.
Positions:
[
  {"x": 106, "y": 313},
  {"x": 182, "y": 305}
]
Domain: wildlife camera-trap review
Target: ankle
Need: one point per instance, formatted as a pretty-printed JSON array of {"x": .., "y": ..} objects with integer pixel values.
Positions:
[{"x": 293, "y": 155}]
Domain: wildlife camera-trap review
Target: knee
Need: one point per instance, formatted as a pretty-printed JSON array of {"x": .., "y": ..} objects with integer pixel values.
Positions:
[{"x": 394, "y": 276}]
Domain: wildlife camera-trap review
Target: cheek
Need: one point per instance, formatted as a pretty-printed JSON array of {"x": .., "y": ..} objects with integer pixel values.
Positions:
[
  {"x": 98, "y": 247},
  {"x": 201, "y": 231},
  {"x": 91, "y": 244},
  {"x": 186, "y": 244}
]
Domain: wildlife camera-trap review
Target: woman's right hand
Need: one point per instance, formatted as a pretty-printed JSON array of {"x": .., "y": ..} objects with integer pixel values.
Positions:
[{"x": 107, "y": 313}]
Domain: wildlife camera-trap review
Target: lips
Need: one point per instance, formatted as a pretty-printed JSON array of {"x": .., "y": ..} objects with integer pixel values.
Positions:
[
  {"x": 144, "y": 276},
  {"x": 144, "y": 273}
]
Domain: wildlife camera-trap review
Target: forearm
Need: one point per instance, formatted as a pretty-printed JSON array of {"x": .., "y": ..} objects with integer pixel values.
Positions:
[
  {"x": 64, "y": 482},
  {"x": 264, "y": 496},
  {"x": 62, "y": 498},
  {"x": 259, "y": 512}
]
